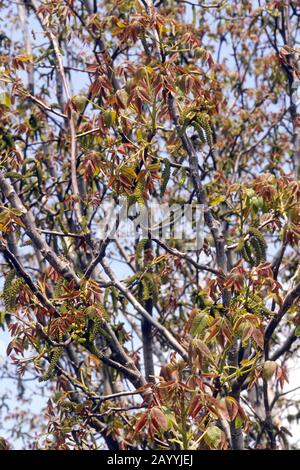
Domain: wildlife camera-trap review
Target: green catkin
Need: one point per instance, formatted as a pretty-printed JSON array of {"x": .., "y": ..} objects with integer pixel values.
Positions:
[
  {"x": 258, "y": 236},
  {"x": 140, "y": 247},
  {"x": 265, "y": 311},
  {"x": 130, "y": 280},
  {"x": 165, "y": 176},
  {"x": 69, "y": 406},
  {"x": 106, "y": 294},
  {"x": 240, "y": 246},
  {"x": 203, "y": 120},
  {"x": 200, "y": 132},
  {"x": 54, "y": 360},
  {"x": 131, "y": 199},
  {"x": 247, "y": 254},
  {"x": 9, "y": 278},
  {"x": 138, "y": 194},
  {"x": 96, "y": 318},
  {"x": 149, "y": 284},
  {"x": 11, "y": 290},
  {"x": 94, "y": 350},
  {"x": 186, "y": 118},
  {"x": 92, "y": 332},
  {"x": 253, "y": 250},
  {"x": 150, "y": 288},
  {"x": 6, "y": 293},
  {"x": 115, "y": 298},
  {"x": 256, "y": 250},
  {"x": 104, "y": 313},
  {"x": 257, "y": 233},
  {"x": 95, "y": 329},
  {"x": 146, "y": 291},
  {"x": 95, "y": 325}
]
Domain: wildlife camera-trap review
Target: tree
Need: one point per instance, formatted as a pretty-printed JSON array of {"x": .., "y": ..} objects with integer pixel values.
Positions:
[{"x": 150, "y": 343}]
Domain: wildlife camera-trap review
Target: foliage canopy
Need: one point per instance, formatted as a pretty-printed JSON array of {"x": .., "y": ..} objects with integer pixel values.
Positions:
[{"x": 143, "y": 343}]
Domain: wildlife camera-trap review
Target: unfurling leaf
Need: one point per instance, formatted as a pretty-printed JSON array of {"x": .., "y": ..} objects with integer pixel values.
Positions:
[
  {"x": 158, "y": 419},
  {"x": 269, "y": 369},
  {"x": 213, "y": 437}
]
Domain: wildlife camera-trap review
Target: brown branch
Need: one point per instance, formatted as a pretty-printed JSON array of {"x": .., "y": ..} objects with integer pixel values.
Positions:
[
  {"x": 268, "y": 419},
  {"x": 22, "y": 273},
  {"x": 122, "y": 288},
  {"x": 203, "y": 5},
  {"x": 60, "y": 234},
  {"x": 117, "y": 395},
  {"x": 289, "y": 300},
  {"x": 131, "y": 369},
  {"x": 71, "y": 118},
  {"x": 285, "y": 346},
  {"x": 31, "y": 230},
  {"x": 212, "y": 223},
  {"x": 179, "y": 254}
]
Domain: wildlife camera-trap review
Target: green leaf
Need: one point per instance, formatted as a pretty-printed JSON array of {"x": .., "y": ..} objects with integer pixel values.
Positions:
[
  {"x": 238, "y": 422},
  {"x": 158, "y": 419},
  {"x": 297, "y": 331},
  {"x": 217, "y": 200},
  {"x": 269, "y": 369},
  {"x": 213, "y": 436},
  {"x": 199, "y": 323},
  {"x": 202, "y": 348},
  {"x": 5, "y": 100},
  {"x": 139, "y": 135}
]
